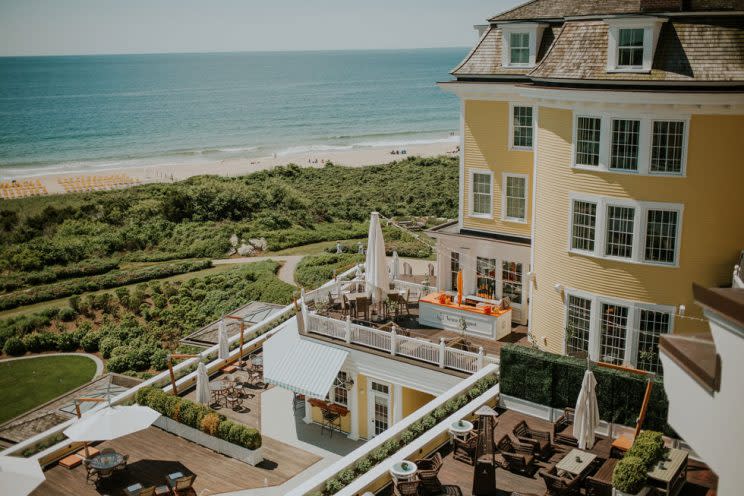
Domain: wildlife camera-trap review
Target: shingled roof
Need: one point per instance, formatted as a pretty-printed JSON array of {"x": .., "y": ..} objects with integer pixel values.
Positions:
[
  {"x": 700, "y": 50},
  {"x": 560, "y": 9}
]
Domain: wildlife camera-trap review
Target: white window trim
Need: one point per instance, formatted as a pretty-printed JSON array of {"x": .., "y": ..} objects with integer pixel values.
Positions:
[
  {"x": 511, "y": 128},
  {"x": 645, "y": 142},
  {"x": 535, "y": 31},
  {"x": 504, "y": 217},
  {"x": 639, "y": 227},
  {"x": 651, "y": 27},
  {"x": 634, "y": 321},
  {"x": 471, "y": 195}
]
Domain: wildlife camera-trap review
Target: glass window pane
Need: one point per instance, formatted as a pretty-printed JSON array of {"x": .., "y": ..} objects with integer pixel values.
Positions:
[
  {"x": 666, "y": 147},
  {"x": 583, "y": 228},
  {"x": 454, "y": 269},
  {"x": 624, "y": 154},
  {"x": 652, "y": 325},
  {"x": 614, "y": 324},
  {"x": 619, "y": 231},
  {"x": 661, "y": 236},
  {"x": 630, "y": 48},
  {"x": 587, "y": 140},
  {"x": 486, "y": 277},
  {"x": 522, "y": 127},
  {"x": 481, "y": 194},
  {"x": 516, "y": 197},
  {"x": 511, "y": 277},
  {"x": 577, "y": 326},
  {"x": 519, "y": 47}
]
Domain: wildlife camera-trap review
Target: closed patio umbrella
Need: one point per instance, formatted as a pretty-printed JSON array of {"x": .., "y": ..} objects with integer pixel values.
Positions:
[
  {"x": 19, "y": 476},
  {"x": 202, "y": 384},
  {"x": 459, "y": 287},
  {"x": 378, "y": 280},
  {"x": 396, "y": 265},
  {"x": 586, "y": 416},
  {"x": 224, "y": 347}
]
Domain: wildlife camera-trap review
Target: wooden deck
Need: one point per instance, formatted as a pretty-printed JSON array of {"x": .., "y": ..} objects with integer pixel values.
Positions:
[
  {"x": 454, "y": 472},
  {"x": 154, "y": 453}
]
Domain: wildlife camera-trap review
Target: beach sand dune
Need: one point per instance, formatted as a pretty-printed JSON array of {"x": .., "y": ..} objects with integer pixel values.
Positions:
[{"x": 242, "y": 166}]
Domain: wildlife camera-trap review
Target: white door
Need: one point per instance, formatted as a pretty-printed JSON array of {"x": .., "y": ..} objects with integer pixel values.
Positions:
[{"x": 379, "y": 408}]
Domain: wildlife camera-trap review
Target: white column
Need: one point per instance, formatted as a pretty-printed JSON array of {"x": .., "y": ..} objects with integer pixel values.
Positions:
[
  {"x": 308, "y": 412},
  {"x": 354, "y": 407},
  {"x": 397, "y": 403}
]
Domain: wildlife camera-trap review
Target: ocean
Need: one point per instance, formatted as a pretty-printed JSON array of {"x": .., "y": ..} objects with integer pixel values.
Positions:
[{"x": 87, "y": 113}]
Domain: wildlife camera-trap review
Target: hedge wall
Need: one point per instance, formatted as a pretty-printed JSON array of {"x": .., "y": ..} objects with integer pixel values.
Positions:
[{"x": 555, "y": 381}]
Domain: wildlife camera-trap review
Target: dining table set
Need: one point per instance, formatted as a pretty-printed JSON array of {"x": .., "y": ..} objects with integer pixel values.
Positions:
[{"x": 232, "y": 389}]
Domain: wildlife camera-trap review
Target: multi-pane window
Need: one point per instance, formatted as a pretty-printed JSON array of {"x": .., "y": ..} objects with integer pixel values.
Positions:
[
  {"x": 578, "y": 325},
  {"x": 516, "y": 197},
  {"x": 340, "y": 393},
  {"x": 652, "y": 325},
  {"x": 587, "y": 140},
  {"x": 511, "y": 281},
  {"x": 619, "y": 240},
  {"x": 661, "y": 236},
  {"x": 583, "y": 228},
  {"x": 666, "y": 147},
  {"x": 613, "y": 330},
  {"x": 485, "y": 269},
  {"x": 522, "y": 127},
  {"x": 519, "y": 48},
  {"x": 454, "y": 269},
  {"x": 630, "y": 48},
  {"x": 481, "y": 193},
  {"x": 624, "y": 149}
]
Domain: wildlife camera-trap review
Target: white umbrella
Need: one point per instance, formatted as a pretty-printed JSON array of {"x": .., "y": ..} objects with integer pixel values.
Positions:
[
  {"x": 111, "y": 422},
  {"x": 396, "y": 265},
  {"x": 19, "y": 476},
  {"x": 378, "y": 280},
  {"x": 586, "y": 416},
  {"x": 224, "y": 350},
  {"x": 202, "y": 384}
]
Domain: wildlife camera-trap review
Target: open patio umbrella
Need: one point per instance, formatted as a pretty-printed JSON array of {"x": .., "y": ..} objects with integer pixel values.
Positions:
[
  {"x": 378, "y": 280},
  {"x": 19, "y": 476},
  {"x": 459, "y": 287},
  {"x": 110, "y": 423},
  {"x": 202, "y": 384},
  {"x": 224, "y": 347},
  {"x": 396, "y": 265},
  {"x": 586, "y": 416}
]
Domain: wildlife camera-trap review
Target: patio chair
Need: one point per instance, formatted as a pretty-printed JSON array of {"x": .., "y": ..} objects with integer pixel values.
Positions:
[
  {"x": 557, "y": 485},
  {"x": 345, "y": 306},
  {"x": 407, "y": 301},
  {"x": 407, "y": 488},
  {"x": 539, "y": 440},
  {"x": 331, "y": 420},
  {"x": 235, "y": 402},
  {"x": 180, "y": 485},
  {"x": 563, "y": 428},
  {"x": 465, "y": 448},
  {"x": 107, "y": 450},
  {"x": 298, "y": 400},
  {"x": 138, "y": 489},
  {"x": 90, "y": 472},
  {"x": 512, "y": 458},
  {"x": 362, "y": 308},
  {"x": 428, "y": 473}
]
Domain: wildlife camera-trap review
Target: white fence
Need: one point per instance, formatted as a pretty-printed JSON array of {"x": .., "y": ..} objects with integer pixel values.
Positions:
[{"x": 438, "y": 354}]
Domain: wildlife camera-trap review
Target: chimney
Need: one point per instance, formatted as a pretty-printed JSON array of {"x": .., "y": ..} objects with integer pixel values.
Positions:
[{"x": 662, "y": 5}]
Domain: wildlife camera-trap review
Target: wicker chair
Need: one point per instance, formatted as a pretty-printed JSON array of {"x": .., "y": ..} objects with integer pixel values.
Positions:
[
  {"x": 539, "y": 441},
  {"x": 559, "y": 486},
  {"x": 428, "y": 473},
  {"x": 407, "y": 488},
  {"x": 563, "y": 428},
  {"x": 362, "y": 308},
  {"x": 512, "y": 458},
  {"x": 181, "y": 485},
  {"x": 465, "y": 448}
]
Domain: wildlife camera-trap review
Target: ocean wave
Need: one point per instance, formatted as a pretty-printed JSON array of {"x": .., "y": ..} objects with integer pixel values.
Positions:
[
  {"x": 293, "y": 150},
  {"x": 408, "y": 142}
]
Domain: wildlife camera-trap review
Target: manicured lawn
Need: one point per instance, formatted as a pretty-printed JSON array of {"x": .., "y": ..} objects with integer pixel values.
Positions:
[{"x": 31, "y": 382}]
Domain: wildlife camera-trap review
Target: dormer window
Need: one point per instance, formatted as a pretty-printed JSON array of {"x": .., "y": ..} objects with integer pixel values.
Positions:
[
  {"x": 630, "y": 48},
  {"x": 631, "y": 42},
  {"x": 520, "y": 43}
]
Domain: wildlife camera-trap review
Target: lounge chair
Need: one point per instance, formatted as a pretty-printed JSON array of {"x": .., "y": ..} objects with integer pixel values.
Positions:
[
  {"x": 465, "y": 448},
  {"x": 179, "y": 483},
  {"x": 563, "y": 428},
  {"x": 557, "y": 485},
  {"x": 538, "y": 440}
]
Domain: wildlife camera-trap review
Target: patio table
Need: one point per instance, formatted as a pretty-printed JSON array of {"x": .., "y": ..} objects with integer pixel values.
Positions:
[
  {"x": 669, "y": 473},
  {"x": 106, "y": 461},
  {"x": 220, "y": 389},
  {"x": 575, "y": 462}
]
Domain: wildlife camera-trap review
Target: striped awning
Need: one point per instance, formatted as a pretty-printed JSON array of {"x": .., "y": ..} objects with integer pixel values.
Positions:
[{"x": 302, "y": 366}]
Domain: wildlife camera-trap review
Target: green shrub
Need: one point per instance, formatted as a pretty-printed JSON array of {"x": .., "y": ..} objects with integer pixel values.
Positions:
[
  {"x": 629, "y": 475},
  {"x": 407, "y": 436},
  {"x": 67, "y": 341},
  {"x": 362, "y": 466},
  {"x": 346, "y": 476},
  {"x": 428, "y": 422},
  {"x": 108, "y": 344},
  {"x": 648, "y": 446},
  {"x": 332, "y": 486},
  {"x": 14, "y": 347},
  {"x": 90, "y": 342},
  {"x": 314, "y": 270}
]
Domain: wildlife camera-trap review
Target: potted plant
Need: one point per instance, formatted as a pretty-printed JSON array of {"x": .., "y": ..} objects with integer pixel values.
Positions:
[{"x": 629, "y": 477}]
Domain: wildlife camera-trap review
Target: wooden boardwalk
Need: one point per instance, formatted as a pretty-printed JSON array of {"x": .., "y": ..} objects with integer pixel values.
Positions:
[{"x": 154, "y": 453}]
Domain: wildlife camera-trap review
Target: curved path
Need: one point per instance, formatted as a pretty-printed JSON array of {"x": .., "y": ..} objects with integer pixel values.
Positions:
[{"x": 96, "y": 360}]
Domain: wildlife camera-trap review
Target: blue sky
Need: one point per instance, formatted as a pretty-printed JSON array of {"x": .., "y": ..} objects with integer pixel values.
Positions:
[{"x": 41, "y": 27}]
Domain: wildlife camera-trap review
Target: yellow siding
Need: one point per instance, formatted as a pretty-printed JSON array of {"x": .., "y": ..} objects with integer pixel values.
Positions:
[
  {"x": 712, "y": 223},
  {"x": 486, "y": 146},
  {"x": 413, "y": 400}
]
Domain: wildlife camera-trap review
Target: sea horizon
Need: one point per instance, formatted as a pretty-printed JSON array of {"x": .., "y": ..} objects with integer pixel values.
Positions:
[{"x": 89, "y": 113}]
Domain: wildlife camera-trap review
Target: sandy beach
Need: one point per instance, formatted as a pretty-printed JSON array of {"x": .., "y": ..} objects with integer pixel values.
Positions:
[{"x": 241, "y": 166}]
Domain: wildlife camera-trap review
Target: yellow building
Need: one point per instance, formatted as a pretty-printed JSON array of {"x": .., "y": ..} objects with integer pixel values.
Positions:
[{"x": 600, "y": 170}]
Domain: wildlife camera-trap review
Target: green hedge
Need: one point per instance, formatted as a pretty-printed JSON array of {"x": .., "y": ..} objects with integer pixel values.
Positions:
[
  {"x": 314, "y": 270},
  {"x": 91, "y": 267},
  {"x": 555, "y": 381},
  {"x": 94, "y": 283},
  {"x": 192, "y": 414}
]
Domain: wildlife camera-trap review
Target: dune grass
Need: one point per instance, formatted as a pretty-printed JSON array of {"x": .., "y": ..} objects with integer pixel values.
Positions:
[{"x": 31, "y": 382}]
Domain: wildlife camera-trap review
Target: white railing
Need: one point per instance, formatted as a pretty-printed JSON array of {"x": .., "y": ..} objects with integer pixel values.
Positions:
[{"x": 391, "y": 342}]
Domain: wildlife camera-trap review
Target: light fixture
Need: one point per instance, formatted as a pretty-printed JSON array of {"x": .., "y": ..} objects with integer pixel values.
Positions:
[
  {"x": 681, "y": 310},
  {"x": 558, "y": 287}
]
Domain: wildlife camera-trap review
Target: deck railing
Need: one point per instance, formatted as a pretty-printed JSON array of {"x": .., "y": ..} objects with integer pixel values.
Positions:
[{"x": 438, "y": 354}]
